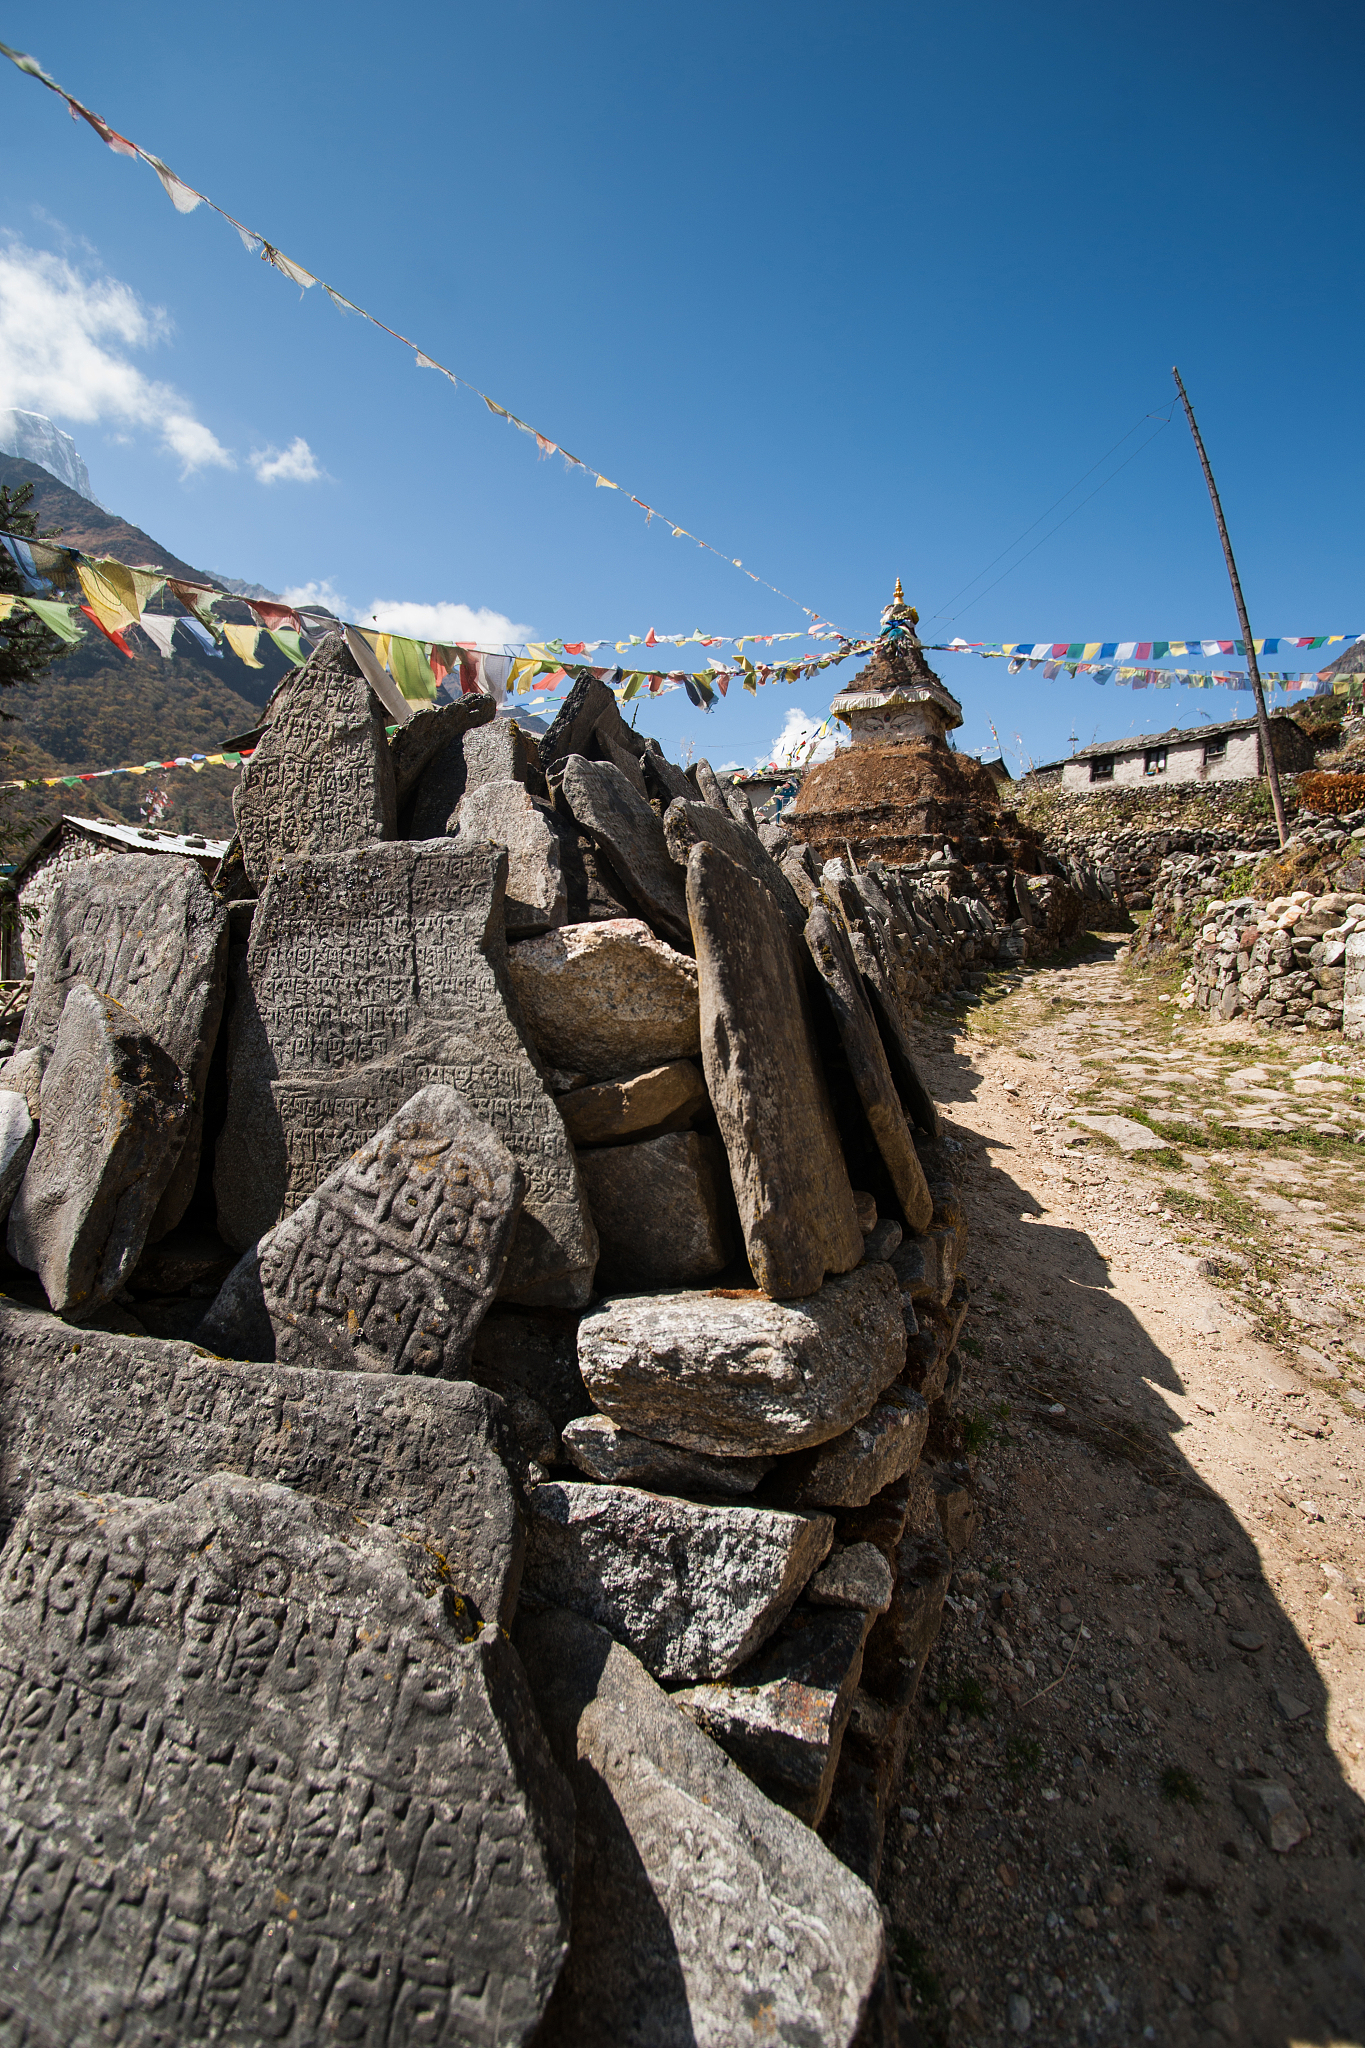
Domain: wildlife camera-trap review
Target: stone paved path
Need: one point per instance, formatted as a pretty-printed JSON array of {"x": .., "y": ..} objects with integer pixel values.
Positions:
[{"x": 1167, "y": 1392}]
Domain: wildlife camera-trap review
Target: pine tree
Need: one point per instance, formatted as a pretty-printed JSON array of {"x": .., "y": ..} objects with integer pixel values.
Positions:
[{"x": 27, "y": 649}]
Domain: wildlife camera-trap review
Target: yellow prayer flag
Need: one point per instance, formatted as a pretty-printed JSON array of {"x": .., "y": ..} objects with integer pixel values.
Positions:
[
  {"x": 106, "y": 599},
  {"x": 242, "y": 640}
]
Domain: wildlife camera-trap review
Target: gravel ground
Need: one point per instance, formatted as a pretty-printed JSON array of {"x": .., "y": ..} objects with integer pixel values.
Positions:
[{"x": 1166, "y": 1600}]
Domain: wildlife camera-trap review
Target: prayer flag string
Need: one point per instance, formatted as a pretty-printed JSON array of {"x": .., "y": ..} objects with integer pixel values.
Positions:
[{"x": 185, "y": 199}]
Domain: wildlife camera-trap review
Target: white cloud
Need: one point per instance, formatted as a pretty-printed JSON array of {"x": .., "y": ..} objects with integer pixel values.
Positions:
[
  {"x": 320, "y": 593},
  {"x": 64, "y": 343},
  {"x": 295, "y": 464},
  {"x": 446, "y": 623},
  {"x": 792, "y": 744}
]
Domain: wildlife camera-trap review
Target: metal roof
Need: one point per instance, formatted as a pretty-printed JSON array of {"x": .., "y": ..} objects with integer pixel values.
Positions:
[
  {"x": 133, "y": 838},
  {"x": 1175, "y": 736}
]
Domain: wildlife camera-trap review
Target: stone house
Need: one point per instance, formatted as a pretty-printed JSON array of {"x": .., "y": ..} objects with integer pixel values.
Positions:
[
  {"x": 1230, "y": 752},
  {"x": 72, "y": 840}
]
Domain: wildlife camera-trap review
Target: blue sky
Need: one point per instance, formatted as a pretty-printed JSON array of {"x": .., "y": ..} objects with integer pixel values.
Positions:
[{"x": 851, "y": 292}]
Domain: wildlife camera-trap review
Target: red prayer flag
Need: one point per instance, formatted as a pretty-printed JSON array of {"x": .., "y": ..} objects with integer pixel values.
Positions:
[
  {"x": 273, "y": 616},
  {"x": 117, "y": 638}
]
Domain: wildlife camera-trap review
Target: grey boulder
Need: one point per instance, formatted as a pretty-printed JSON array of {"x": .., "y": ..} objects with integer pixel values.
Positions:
[
  {"x": 848, "y": 1470},
  {"x": 506, "y": 814},
  {"x": 606, "y": 998},
  {"x": 691, "y": 1588},
  {"x": 115, "y": 1110},
  {"x": 17, "y": 1132},
  {"x": 602, "y": 1449},
  {"x": 703, "y": 1915},
  {"x": 736, "y": 1375}
]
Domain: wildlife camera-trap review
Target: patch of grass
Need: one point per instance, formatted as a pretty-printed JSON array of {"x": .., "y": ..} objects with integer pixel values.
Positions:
[
  {"x": 916, "y": 1964},
  {"x": 965, "y": 1693},
  {"x": 1022, "y": 1757},
  {"x": 1182, "y": 1203},
  {"x": 1181, "y": 1787},
  {"x": 977, "y": 1430},
  {"x": 970, "y": 1346}
]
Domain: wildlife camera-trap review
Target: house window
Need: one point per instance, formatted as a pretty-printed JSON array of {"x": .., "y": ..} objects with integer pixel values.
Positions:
[
  {"x": 1102, "y": 768},
  {"x": 1154, "y": 761},
  {"x": 1215, "y": 750}
]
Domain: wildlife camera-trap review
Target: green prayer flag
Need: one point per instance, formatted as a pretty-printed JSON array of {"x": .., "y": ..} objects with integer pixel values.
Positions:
[
  {"x": 411, "y": 670},
  {"x": 58, "y": 618},
  {"x": 289, "y": 644}
]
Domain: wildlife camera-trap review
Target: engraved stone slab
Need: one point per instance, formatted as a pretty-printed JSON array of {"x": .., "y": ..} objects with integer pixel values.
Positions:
[
  {"x": 737, "y": 1375},
  {"x": 664, "y": 1098},
  {"x": 758, "y": 1051},
  {"x": 828, "y": 945},
  {"x": 321, "y": 778},
  {"x": 115, "y": 1414},
  {"x": 256, "y": 1786},
  {"x": 624, "y": 827},
  {"x": 506, "y": 814},
  {"x": 692, "y": 1589},
  {"x": 369, "y": 975},
  {"x": 17, "y": 1132},
  {"x": 115, "y": 1108},
  {"x": 663, "y": 1210},
  {"x": 689, "y": 824},
  {"x": 606, "y": 998},
  {"x": 602, "y": 1449},
  {"x": 150, "y": 933},
  {"x": 393, "y": 1263},
  {"x": 576, "y": 720},
  {"x": 703, "y": 1915}
]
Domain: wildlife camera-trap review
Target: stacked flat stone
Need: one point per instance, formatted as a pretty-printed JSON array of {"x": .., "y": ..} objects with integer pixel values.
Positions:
[{"x": 1284, "y": 962}]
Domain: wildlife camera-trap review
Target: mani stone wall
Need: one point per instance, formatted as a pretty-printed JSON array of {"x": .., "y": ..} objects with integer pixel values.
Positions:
[{"x": 468, "y": 1570}]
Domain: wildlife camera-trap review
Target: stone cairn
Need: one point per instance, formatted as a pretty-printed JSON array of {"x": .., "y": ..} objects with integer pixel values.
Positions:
[
  {"x": 478, "y": 1363},
  {"x": 1288, "y": 960}
]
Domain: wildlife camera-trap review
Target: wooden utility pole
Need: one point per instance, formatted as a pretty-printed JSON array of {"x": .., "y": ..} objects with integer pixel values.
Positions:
[{"x": 1262, "y": 720}]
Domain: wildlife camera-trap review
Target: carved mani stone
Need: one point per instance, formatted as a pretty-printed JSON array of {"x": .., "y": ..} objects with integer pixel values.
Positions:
[
  {"x": 392, "y": 1264},
  {"x": 758, "y": 1051},
  {"x": 115, "y": 1108},
  {"x": 148, "y": 931},
  {"x": 273, "y": 1793},
  {"x": 369, "y": 975},
  {"x": 321, "y": 778},
  {"x": 114, "y": 1414}
]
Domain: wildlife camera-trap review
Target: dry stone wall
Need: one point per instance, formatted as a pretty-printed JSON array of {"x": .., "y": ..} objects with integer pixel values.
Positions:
[{"x": 490, "y": 1606}]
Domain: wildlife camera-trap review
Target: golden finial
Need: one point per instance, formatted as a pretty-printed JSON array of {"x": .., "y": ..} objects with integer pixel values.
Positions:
[{"x": 899, "y": 597}]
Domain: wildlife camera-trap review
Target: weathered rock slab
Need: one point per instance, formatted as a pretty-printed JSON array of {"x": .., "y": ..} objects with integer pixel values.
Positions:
[
  {"x": 828, "y": 945},
  {"x": 393, "y": 1263},
  {"x": 607, "y": 998},
  {"x": 1273, "y": 1811},
  {"x": 369, "y": 975},
  {"x": 663, "y": 1098},
  {"x": 531, "y": 1353},
  {"x": 151, "y": 934},
  {"x": 762, "y": 1073},
  {"x": 115, "y": 1109},
  {"x": 737, "y": 1375},
  {"x": 602, "y": 1449},
  {"x": 113, "y": 1414},
  {"x": 692, "y": 1589},
  {"x": 266, "y": 1772},
  {"x": 688, "y": 824},
  {"x": 782, "y": 1717},
  {"x": 427, "y": 736},
  {"x": 663, "y": 1210},
  {"x": 321, "y": 778},
  {"x": 17, "y": 1132},
  {"x": 506, "y": 814},
  {"x": 847, "y": 1471},
  {"x": 626, "y": 830},
  {"x": 854, "y": 1575},
  {"x": 702, "y": 1912}
]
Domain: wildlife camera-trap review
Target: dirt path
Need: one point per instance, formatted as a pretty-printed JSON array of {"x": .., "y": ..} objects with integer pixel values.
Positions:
[{"x": 1166, "y": 1384}]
